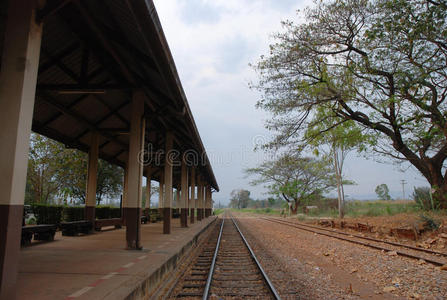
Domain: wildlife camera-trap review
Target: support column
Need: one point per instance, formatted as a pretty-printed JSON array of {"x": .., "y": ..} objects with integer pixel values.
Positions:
[
  {"x": 168, "y": 184},
  {"x": 207, "y": 201},
  {"x": 18, "y": 77},
  {"x": 125, "y": 192},
  {"x": 147, "y": 204},
  {"x": 203, "y": 200},
  {"x": 92, "y": 172},
  {"x": 132, "y": 207},
  {"x": 184, "y": 196},
  {"x": 199, "y": 201},
  {"x": 192, "y": 199},
  {"x": 161, "y": 193}
]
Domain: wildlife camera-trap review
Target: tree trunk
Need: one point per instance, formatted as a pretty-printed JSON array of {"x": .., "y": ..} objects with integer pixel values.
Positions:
[
  {"x": 338, "y": 179},
  {"x": 439, "y": 187}
]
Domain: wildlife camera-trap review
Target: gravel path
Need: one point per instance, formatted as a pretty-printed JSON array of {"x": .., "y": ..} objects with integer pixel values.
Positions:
[{"x": 320, "y": 267}]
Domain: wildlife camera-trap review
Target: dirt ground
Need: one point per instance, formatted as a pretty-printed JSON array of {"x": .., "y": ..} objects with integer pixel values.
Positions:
[
  {"x": 320, "y": 267},
  {"x": 384, "y": 227}
]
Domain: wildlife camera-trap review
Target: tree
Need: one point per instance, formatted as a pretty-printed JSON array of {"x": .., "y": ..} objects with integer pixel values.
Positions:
[
  {"x": 240, "y": 198},
  {"x": 382, "y": 191},
  {"x": 55, "y": 171},
  {"x": 45, "y": 169},
  {"x": 296, "y": 179},
  {"x": 335, "y": 144},
  {"x": 379, "y": 63},
  {"x": 154, "y": 191}
]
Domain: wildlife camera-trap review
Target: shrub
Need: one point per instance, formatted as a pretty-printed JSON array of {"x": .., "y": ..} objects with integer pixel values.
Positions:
[
  {"x": 107, "y": 212},
  {"x": 73, "y": 213},
  {"x": 47, "y": 214},
  {"x": 102, "y": 212},
  {"x": 115, "y": 212},
  {"x": 31, "y": 221},
  {"x": 421, "y": 196},
  {"x": 429, "y": 222}
]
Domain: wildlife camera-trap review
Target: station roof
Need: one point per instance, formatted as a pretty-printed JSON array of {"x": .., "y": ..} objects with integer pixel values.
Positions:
[{"x": 93, "y": 55}]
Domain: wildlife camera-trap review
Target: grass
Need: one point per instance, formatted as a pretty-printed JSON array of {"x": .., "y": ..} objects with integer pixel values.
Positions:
[
  {"x": 218, "y": 211},
  {"x": 263, "y": 211},
  {"x": 352, "y": 209},
  {"x": 380, "y": 208}
]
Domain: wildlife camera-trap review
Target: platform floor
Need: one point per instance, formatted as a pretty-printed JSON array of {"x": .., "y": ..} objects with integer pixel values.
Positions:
[{"x": 97, "y": 266}]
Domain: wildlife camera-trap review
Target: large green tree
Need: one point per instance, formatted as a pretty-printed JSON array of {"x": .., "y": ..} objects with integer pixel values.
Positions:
[
  {"x": 296, "y": 179},
  {"x": 55, "y": 173},
  {"x": 379, "y": 63}
]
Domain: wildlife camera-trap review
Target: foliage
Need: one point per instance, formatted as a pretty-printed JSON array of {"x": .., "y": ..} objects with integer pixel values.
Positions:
[
  {"x": 218, "y": 211},
  {"x": 74, "y": 213},
  {"x": 378, "y": 63},
  {"x": 297, "y": 179},
  {"x": 107, "y": 212},
  {"x": 31, "y": 221},
  {"x": 421, "y": 196},
  {"x": 264, "y": 211},
  {"x": 47, "y": 214},
  {"x": 429, "y": 222},
  {"x": 383, "y": 192},
  {"x": 55, "y": 172},
  {"x": 239, "y": 198},
  {"x": 379, "y": 208},
  {"x": 154, "y": 191},
  {"x": 46, "y": 170}
]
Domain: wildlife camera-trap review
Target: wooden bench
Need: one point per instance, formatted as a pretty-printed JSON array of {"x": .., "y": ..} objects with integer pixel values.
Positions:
[
  {"x": 76, "y": 227},
  {"x": 117, "y": 222},
  {"x": 41, "y": 233}
]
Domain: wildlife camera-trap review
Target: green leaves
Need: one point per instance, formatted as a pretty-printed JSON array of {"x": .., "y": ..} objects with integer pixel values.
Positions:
[
  {"x": 58, "y": 174},
  {"x": 368, "y": 75}
]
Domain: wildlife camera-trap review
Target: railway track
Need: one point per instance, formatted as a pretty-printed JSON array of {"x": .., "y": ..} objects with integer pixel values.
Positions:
[
  {"x": 227, "y": 268},
  {"x": 432, "y": 257}
]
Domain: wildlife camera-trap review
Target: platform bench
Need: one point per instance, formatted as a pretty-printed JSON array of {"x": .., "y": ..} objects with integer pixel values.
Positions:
[
  {"x": 41, "y": 232},
  {"x": 117, "y": 222},
  {"x": 76, "y": 227}
]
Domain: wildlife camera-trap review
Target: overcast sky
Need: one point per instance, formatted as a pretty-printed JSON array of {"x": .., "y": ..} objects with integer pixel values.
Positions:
[{"x": 212, "y": 42}]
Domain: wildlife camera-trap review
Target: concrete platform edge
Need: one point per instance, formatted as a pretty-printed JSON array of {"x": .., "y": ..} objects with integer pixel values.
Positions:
[{"x": 148, "y": 285}]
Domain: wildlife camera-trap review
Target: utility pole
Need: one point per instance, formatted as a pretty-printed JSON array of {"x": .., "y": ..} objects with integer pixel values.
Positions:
[{"x": 403, "y": 182}]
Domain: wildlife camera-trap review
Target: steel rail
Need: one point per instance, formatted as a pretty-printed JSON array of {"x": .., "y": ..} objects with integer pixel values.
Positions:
[
  {"x": 264, "y": 275},
  {"x": 434, "y": 262},
  {"x": 371, "y": 239},
  {"x": 213, "y": 264}
]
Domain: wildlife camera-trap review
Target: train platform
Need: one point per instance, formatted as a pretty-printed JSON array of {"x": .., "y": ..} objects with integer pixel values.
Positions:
[{"x": 97, "y": 266}]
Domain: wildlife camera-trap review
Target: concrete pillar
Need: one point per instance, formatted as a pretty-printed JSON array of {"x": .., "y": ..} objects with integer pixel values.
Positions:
[
  {"x": 18, "y": 77},
  {"x": 199, "y": 201},
  {"x": 184, "y": 196},
  {"x": 203, "y": 200},
  {"x": 161, "y": 189},
  {"x": 125, "y": 191},
  {"x": 147, "y": 204},
  {"x": 92, "y": 175},
  {"x": 207, "y": 201},
  {"x": 132, "y": 206},
  {"x": 192, "y": 199},
  {"x": 167, "y": 206}
]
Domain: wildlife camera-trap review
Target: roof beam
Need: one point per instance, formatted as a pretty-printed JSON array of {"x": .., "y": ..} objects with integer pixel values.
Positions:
[
  {"x": 81, "y": 88},
  {"x": 49, "y": 100},
  {"x": 105, "y": 42}
]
